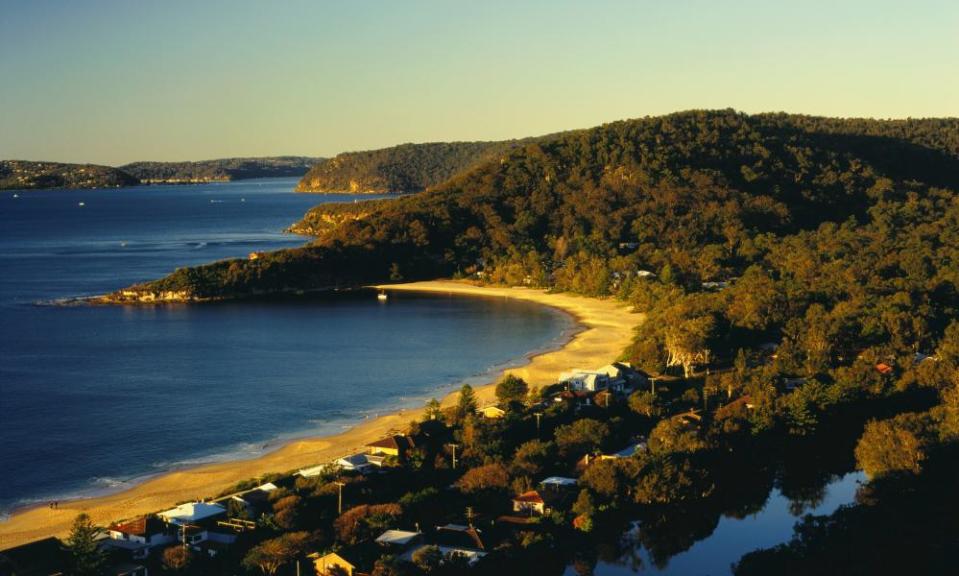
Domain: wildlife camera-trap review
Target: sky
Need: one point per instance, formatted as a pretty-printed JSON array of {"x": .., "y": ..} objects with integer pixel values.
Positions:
[{"x": 111, "y": 82}]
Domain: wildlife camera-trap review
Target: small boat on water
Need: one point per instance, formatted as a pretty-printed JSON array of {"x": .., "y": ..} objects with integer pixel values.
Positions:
[
  {"x": 382, "y": 297},
  {"x": 81, "y": 204}
]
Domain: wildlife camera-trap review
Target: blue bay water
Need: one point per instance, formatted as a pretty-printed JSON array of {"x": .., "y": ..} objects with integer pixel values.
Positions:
[{"x": 93, "y": 398}]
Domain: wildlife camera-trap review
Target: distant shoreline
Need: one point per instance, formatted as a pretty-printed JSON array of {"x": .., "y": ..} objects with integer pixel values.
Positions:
[{"x": 604, "y": 329}]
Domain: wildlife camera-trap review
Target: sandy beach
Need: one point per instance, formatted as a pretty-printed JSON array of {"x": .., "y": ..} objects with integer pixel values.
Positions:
[{"x": 606, "y": 328}]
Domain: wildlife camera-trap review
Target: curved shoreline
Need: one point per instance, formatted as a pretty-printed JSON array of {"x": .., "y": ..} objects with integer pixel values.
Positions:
[{"x": 605, "y": 329}]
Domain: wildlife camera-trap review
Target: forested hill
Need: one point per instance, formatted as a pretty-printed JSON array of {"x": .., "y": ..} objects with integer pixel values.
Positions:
[
  {"x": 403, "y": 168},
  {"x": 221, "y": 170},
  {"x": 694, "y": 196},
  {"x": 25, "y": 175}
]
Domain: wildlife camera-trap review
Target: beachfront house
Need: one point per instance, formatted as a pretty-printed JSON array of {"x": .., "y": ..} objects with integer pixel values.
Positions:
[
  {"x": 192, "y": 513},
  {"x": 492, "y": 412},
  {"x": 584, "y": 380},
  {"x": 197, "y": 525},
  {"x": 138, "y": 537},
  {"x": 360, "y": 462},
  {"x": 46, "y": 557},
  {"x": 398, "y": 446},
  {"x": 355, "y": 560}
]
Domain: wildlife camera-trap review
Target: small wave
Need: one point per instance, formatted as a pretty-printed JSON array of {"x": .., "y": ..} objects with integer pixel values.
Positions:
[{"x": 108, "y": 482}]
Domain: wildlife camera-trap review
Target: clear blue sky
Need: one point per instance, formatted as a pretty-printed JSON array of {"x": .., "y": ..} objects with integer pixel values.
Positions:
[{"x": 116, "y": 81}]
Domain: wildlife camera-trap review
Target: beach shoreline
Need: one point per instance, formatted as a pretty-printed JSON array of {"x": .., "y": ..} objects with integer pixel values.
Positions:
[{"x": 604, "y": 327}]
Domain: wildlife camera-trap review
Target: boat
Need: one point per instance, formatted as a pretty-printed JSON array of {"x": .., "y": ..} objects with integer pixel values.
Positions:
[
  {"x": 382, "y": 296},
  {"x": 81, "y": 204}
]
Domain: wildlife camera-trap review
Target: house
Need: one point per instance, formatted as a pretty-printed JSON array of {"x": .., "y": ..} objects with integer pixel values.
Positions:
[
  {"x": 355, "y": 560},
  {"x": 257, "y": 500},
  {"x": 584, "y": 380},
  {"x": 363, "y": 463},
  {"x": 791, "y": 384},
  {"x": 530, "y": 503},
  {"x": 397, "y": 446},
  {"x": 314, "y": 471},
  {"x": 884, "y": 369},
  {"x": 631, "y": 450},
  {"x": 398, "y": 540},
  {"x": 454, "y": 540},
  {"x": 492, "y": 412},
  {"x": 45, "y": 557},
  {"x": 139, "y": 536},
  {"x": 192, "y": 513},
  {"x": 558, "y": 483}
]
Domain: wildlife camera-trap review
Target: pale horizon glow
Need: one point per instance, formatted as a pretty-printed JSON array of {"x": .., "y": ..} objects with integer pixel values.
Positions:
[{"x": 111, "y": 81}]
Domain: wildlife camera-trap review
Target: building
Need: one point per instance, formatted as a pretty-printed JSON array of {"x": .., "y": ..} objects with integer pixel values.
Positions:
[
  {"x": 140, "y": 536},
  {"x": 398, "y": 540},
  {"x": 398, "y": 446},
  {"x": 492, "y": 412},
  {"x": 362, "y": 463},
  {"x": 529, "y": 503},
  {"x": 454, "y": 540},
  {"x": 45, "y": 557},
  {"x": 584, "y": 380},
  {"x": 349, "y": 561},
  {"x": 192, "y": 513}
]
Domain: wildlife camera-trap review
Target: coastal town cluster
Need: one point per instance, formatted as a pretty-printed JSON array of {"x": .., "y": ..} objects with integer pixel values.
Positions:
[{"x": 212, "y": 527}]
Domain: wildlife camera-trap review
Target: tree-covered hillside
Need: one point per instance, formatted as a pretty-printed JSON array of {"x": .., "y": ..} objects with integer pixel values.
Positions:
[
  {"x": 403, "y": 168},
  {"x": 24, "y": 175},
  {"x": 221, "y": 170}
]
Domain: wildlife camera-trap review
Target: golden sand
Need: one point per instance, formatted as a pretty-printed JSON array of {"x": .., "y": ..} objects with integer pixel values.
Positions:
[{"x": 606, "y": 328}]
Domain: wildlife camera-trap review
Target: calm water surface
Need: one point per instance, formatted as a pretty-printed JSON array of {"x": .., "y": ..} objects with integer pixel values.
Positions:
[{"x": 93, "y": 398}]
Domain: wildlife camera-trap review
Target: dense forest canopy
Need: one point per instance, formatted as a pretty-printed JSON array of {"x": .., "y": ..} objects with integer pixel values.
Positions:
[
  {"x": 403, "y": 168},
  {"x": 225, "y": 169}
]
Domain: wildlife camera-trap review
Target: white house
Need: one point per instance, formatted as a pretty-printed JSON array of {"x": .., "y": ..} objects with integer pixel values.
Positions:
[
  {"x": 587, "y": 380},
  {"x": 191, "y": 513},
  {"x": 140, "y": 535}
]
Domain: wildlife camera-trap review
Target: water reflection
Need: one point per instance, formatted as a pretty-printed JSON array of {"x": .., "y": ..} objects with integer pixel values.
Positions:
[{"x": 753, "y": 507}]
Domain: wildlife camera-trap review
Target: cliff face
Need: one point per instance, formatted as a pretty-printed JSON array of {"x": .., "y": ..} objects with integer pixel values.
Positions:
[
  {"x": 24, "y": 175},
  {"x": 404, "y": 168}
]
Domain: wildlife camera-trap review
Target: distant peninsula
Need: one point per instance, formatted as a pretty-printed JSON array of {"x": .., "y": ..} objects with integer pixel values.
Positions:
[
  {"x": 23, "y": 175},
  {"x": 400, "y": 169},
  {"x": 222, "y": 170},
  {"x": 28, "y": 175}
]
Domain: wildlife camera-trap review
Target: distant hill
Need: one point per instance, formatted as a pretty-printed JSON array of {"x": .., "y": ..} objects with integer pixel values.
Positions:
[
  {"x": 702, "y": 194},
  {"x": 25, "y": 175},
  {"x": 221, "y": 170},
  {"x": 403, "y": 168}
]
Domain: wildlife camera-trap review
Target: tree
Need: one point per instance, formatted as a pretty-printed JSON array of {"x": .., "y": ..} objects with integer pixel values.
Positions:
[
  {"x": 511, "y": 389},
  {"x": 428, "y": 558},
  {"x": 466, "y": 404},
  {"x": 674, "y": 435},
  {"x": 177, "y": 558},
  {"x": 532, "y": 457},
  {"x": 433, "y": 410},
  {"x": 583, "y": 436},
  {"x": 644, "y": 403},
  {"x": 86, "y": 558},
  {"x": 483, "y": 478},
  {"x": 360, "y": 522},
  {"x": 584, "y": 505},
  {"x": 271, "y": 555},
  {"x": 287, "y": 511},
  {"x": 893, "y": 446}
]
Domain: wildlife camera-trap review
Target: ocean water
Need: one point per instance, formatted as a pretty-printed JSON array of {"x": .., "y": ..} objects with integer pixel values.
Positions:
[{"x": 95, "y": 398}]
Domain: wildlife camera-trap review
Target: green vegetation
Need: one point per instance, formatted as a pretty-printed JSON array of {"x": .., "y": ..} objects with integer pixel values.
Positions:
[
  {"x": 799, "y": 277},
  {"x": 221, "y": 170},
  {"x": 22, "y": 175},
  {"x": 403, "y": 168}
]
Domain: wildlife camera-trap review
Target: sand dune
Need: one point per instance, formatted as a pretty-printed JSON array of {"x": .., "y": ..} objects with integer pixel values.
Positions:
[{"x": 606, "y": 327}]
